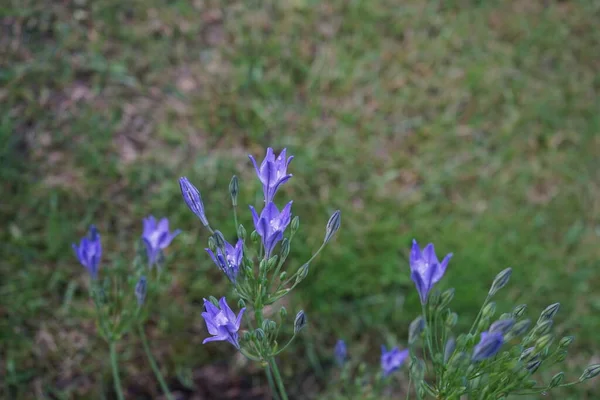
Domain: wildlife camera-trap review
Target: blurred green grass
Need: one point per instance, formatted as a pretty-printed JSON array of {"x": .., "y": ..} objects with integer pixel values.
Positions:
[{"x": 471, "y": 124}]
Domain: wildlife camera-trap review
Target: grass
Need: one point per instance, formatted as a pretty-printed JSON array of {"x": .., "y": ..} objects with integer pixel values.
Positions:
[{"x": 471, "y": 124}]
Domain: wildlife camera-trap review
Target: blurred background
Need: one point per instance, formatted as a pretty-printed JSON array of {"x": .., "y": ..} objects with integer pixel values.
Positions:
[{"x": 471, "y": 124}]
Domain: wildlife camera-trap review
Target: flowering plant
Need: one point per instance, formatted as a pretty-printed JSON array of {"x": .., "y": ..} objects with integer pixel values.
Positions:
[{"x": 495, "y": 358}]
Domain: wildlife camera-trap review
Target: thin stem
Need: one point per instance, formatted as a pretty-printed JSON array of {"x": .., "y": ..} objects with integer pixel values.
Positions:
[
  {"x": 157, "y": 373},
  {"x": 115, "y": 370},
  {"x": 271, "y": 382},
  {"x": 479, "y": 314},
  {"x": 278, "y": 379}
]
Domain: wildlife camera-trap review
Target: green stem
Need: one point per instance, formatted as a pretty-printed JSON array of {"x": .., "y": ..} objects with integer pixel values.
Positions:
[
  {"x": 115, "y": 370},
  {"x": 271, "y": 383},
  {"x": 278, "y": 379},
  {"x": 157, "y": 373}
]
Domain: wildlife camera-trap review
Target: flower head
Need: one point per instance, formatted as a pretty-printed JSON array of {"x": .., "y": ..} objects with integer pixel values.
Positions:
[
  {"x": 89, "y": 251},
  {"x": 192, "y": 198},
  {"x": 271, "y": 224},
  {"x": 340, "y": 352},
  {"x": 488, "y": 346},
  {"x": 229, "y": 258},
  {"x": 156, "y": 237},
  {"x": 221, "y": 322},
  {"x": 272, "y": 172},
  {"x": 426, "y": 270},
  {"x": 392, "y": 360}
]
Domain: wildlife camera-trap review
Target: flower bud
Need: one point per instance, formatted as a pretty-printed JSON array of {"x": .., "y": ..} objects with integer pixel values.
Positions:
[
  {"x": 526, "y": 354},
  {"x": 483, "y": 324},
  {"x": 340, "y": 353},
  {"x": 213, "y": 300},
  {"x": 504, "y": 316},
  {"x": 458, "y": 359},
  {"x": 219, "y": 239},
  {"x": 255, "y": 237},
  {"x": 299, "y": 322},
  {"x": 489, "y": 310},
  {"x": 566, "y": 341},
  {"x": 530, "y": 383},
  {"x": 415, "y": 329},
  {"x": 282, "y": 276},
  {"x": 556, "y": 380},
  {"x": 560, "y": 356},
  {"x": 234, "y": 189},
  {"x": 544, "y": 342},
  {"x": 259, "y": 334},
  {"x": 192, "y": 198},
  {"x": 212, "y": 244},
  {"x": 449, "y": 349},
  {"x": 417, "y": 369},
  {"x": 590, "y": 372},
  {"x": 543, "y": 327},
  {"x": 500, "y": 281},
  {"x": 285, "y": 248},
  {"x": 519, "y": 310},
  {"x": 502, "y": 326},
  {"x": 333, "y": 225},
  {"x": 520, "y": 327},
  {"x": 140, "y": 290},
  {"x": 549, "y": 312},
  {"x": 302, "y": 273},
  {"x": 282, "y": 313},
  {"x": 241, "y": 304},
  {"x": 272, "y": 262},
  {"x": 533, "y": 365},
  {"x": 451, "y": 320},
  {"x": 269, "y": 326},
  {"x": 446, "y": 298},
  {"x": 241, "y": 231},
  {"x": 295, "y": 224}
]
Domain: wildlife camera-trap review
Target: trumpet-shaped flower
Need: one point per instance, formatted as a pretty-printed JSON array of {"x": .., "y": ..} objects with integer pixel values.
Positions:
[
  {"x": 392, "y": 360},
  {"x": 425, "y": 268},
  {"x": 89, "y": 251},
  {"x": 271, "y": 224},
  {"x": 222, "y": 322},
  {"x": 156, "y": 237},
  {"x": 272, "y": 172},
  {"x": 229, "y": 258},
  {"x": 488, "y": 346}
]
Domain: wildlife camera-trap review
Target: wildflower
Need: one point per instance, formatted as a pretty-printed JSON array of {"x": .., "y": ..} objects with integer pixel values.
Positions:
[
  {"x": 340, "y": 352},
  {"x": 156, "y": 237},
  {"x": 392, "y": 360},
  {"x": 299, "y": 322},
  {"x": 426, "y": 270},
  {"x": 488, "y": 346},
  {"x": 140, "y": 290},
  {"x": 272, "y": 172},
  {"x": 228, "y": 258},
  {"x": 221, "y": 322},
  {"x": 500, "y": 281},
  {"x": 333, "y": 225},
  {"x": 192, "y": 198},
  {"x": 271, "y": 224},
  {"x": 89, "y": 251},
  {"x": 502, "y": 326}
]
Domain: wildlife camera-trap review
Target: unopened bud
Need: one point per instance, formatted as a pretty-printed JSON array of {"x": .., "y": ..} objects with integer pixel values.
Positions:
[
  {"x": 241, "y": 231},
  {"x": 333, "y": 225},
  {"x": 500, "y": 281},
  {"x": 299, "y": 322},
  {"x": 269, "y": 326},
  {"x": 272, "y": 262},
  {"x": 533, "y": 366},
  {"x": 255, "y": 237},
  {"x": 259, "y": 334},
  {"x": 212, "y": 244},
  {"x": 566, "y": 341},
  {"x": 556, "y": 380},
  {"x": 502, "y": 326},
  {"x": 282, "y": 313},
  {"x": 489, "y": 310},
  {"x": 283, "y": 275},
  {"x": 415, "y": 329},
  {"x": 213, "y": 300},
  {"x": 449, "y": 349},
  {"x": 526, "y": 354},
  {"x": 219, "y": 239},
  {"x": 549, "y": 312},
  {"x": 520, "y": 327},
  {"x": 140, "y": 290},
  {"x": 543, "y": 328},
  {"x": 446, "y": 298},
  {"x": 302, "y": 273},
  {"x": 530, "y": 383},
  {"x": 285, "y": 248},
  {"x": 295, "y": 224},
  {"x": 247, "y": 336},
  {"x": 483, "y": 324},
  {"x": 241, "y": 303},
  {"x": 451, "y": 320},
  {"x": 519, "y": 310},
  {"x": 234, "y": 189},
  {"x": 590, "y": 372},
  {"x": 417, "y": 369},
  {"x": 560, "y": 356},
  {"x": 544, "y": 342}
]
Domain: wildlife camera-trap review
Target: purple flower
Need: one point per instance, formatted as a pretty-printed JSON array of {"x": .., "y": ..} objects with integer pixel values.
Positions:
[
  {"x": 502, "y": 326},
  {"x": 488, "y": 346},
  {"x": 271, "y": 224},
  {"x": 89, "y": 251},
  {"x": 156, "y": 237},
  {"x": 272, "y": 172},
  {"x": 140, "y": 290},
  {"x": 425, "y": 268},
  {"x": 229, "y": 262},
  {"x": 340, "y": 352},
  {"x": 192, "y": 198},
  {"x": 221, "y": 322},
  {"x": 392, "y": 360}
]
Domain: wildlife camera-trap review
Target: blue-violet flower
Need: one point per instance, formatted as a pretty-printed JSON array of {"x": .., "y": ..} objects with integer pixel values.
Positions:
[
  {"x": 230, "y": 261},
  {"x": 156, "y": 237},
  {"x": 192, "y": 198},
  {"x": 392, "y": 360},
  {"x": 89, "y": 251},
  {"x": 221, "y": 322},
  {"x": 272, "y": 172},
  {"x": 488, "y": 346},
  {"x": 140, "y": 290},
  {"x": 340, "y": 352},
  {"x": 271, "y": 224},
  {"x": 425, "y": 268}
]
